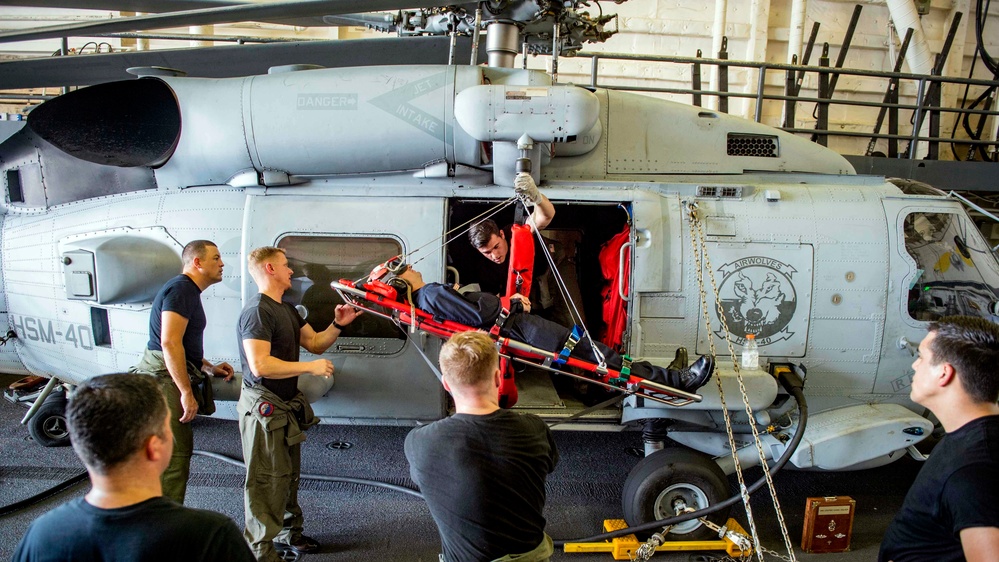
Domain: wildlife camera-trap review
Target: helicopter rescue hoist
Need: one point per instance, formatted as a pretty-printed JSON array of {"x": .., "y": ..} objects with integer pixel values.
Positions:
[{"x": 395, "y": 302}]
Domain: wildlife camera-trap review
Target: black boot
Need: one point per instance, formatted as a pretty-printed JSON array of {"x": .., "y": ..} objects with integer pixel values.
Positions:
[
  {"x": 688, "y": 379},
  {"x": 697, "y": 374}
]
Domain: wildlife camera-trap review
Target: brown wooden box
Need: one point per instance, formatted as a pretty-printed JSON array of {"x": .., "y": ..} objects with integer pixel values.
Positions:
[{"x": 828, "y": 524}]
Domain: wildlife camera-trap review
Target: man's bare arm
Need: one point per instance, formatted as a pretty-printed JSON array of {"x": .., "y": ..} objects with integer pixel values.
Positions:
[
  {"x": 172, "y": 328},
  {"x": 980, "y": 544},
  {"x": 264, "y": 365},
  {"x": 544, "y": 211},
  {"x": 319, "y": 342}
]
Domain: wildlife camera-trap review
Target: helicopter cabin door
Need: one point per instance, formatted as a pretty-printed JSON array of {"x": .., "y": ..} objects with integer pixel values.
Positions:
[{"x": 379, "y": 375}]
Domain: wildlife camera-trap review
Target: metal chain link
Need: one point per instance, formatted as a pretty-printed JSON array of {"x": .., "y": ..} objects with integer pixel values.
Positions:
[
  {"x": 697, "y": 248},
  {"x": 700, "y": 252},
  {"x": 645, "y": 552}
]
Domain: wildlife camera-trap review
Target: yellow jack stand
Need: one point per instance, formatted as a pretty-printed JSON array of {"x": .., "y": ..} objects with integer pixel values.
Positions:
[{"x": 623, "y": 548}]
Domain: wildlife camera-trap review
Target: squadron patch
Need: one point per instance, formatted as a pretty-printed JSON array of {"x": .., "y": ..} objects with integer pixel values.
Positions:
[
  {"x": 758, "y": 297},
  {"x": 265, "y": 409}
]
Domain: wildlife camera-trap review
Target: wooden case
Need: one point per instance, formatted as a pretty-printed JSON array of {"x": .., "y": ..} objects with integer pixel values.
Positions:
[{"x": 828, "y": 524}]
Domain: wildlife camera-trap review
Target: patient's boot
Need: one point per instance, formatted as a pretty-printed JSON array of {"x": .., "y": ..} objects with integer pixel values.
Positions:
[
  {"x": 688, "y": 379},
  {"x": 697, "y": 374}
]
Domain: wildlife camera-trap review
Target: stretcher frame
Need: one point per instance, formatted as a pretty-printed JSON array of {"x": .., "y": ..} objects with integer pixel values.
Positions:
[{"x": 405, "y": 316}]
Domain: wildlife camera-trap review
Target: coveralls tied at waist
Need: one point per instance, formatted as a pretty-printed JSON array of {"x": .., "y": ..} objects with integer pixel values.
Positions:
[
  {"x": 274, "y": 413},
  {"x": 272, "y": 431}
]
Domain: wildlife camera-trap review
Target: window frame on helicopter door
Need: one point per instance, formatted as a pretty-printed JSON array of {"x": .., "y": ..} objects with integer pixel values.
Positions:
[{"x": 955, "y": 253}]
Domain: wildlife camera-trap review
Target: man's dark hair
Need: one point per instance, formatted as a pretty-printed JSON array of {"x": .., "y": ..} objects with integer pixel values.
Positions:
[
  {"x": 482, "y": 232},
  {"x": 971, "y": 346},
  {"x": 195, "y": 249},
  {"x": 111, "y": 416}
]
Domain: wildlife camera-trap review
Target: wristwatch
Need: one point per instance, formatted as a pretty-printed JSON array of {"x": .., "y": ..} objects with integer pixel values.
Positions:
[{"x": 337, "y": 325}]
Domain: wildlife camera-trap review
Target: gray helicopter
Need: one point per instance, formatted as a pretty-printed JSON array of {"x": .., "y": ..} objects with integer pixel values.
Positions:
[{"x": 836, "y": 275}]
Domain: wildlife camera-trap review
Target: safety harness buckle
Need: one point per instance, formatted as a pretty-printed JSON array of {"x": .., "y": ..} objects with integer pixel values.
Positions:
[
  {"x": 625, "y": 371},
  {"x": 570, "y": 344},
  {"x": 500, "y": 321}
]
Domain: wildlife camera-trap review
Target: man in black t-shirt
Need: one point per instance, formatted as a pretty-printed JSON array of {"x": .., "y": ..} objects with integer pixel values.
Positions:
[
  {"x": 175, "y": 354},
  {"x": 951, "y": 512},
  {"x": 482, "y": 471},
  {"x": 272, "y": 411},
  {"x": 493, "y": 243},
  {"x": 125, "y": 517}
]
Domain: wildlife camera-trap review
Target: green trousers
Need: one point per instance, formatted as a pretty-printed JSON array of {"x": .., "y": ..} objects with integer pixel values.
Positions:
[
  {"x": 272, "y": 436},
  {"x": 174, "y": 478}
]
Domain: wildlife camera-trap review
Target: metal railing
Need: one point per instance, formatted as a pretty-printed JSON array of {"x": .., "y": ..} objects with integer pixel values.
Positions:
[{"x": 924, "y": 113}]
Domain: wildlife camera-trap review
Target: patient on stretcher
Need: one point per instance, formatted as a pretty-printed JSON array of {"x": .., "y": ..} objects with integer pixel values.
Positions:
[{"x": 481, "y": 310}]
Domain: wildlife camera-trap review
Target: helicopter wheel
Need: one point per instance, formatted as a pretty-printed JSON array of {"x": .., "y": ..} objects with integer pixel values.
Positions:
[
  {"x": 665, "y": 476},
  {"x": 48, "y": 426}
]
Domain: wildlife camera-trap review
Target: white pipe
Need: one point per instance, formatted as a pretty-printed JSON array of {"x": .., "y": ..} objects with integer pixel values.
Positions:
[
  {"x": 717, "y": 32},
  {"x": 919, "y": 57},
  {"x": 905, "y": 16},
  {"x": 756, "y": 50},
  {"x": 797, "y": 29}
]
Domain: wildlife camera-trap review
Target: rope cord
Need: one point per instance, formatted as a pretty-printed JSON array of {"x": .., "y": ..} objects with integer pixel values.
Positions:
[
  {"x": 464, "y": 227},
  {"x": 577, "y": 318}
]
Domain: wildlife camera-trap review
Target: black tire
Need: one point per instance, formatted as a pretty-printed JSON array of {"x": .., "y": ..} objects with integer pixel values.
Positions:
[
  {"x": 48, "y": 426},
  {"x": 676, "y": 473}
]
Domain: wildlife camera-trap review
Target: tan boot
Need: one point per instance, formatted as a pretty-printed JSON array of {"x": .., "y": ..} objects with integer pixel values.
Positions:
[{"x": 680, "y": 360}]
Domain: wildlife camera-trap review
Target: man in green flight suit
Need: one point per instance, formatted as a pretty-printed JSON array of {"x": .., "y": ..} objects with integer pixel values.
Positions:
[{"x": 272, "y": 412}]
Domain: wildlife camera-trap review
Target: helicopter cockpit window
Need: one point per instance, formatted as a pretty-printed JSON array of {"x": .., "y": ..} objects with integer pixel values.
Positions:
[
  {"x": 956, "y": 271},
  {"x": 319, "y": 260}
]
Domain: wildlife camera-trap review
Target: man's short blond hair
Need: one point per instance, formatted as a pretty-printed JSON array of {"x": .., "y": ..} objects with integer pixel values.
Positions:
[
  {"x": 261, "y": 255},
  {"x": 469, "y": 359}
]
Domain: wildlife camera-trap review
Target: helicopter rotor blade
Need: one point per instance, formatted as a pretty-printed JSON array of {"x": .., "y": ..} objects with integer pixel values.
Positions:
[
  {"x": 229, "y": 60},
  {"x": 158, "y": 7},
  {"x": 207, "y": 16}
]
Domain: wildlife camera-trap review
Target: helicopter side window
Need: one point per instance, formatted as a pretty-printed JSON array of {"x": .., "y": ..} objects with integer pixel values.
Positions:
[
  {"x": 956, "y": 271},
  {"x": 319, "y": 260}
]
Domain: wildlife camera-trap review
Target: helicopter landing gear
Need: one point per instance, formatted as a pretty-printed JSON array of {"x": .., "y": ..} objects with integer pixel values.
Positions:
[
  {"x": 661, "y": 479},
  {"x": 48, "y": 426}
]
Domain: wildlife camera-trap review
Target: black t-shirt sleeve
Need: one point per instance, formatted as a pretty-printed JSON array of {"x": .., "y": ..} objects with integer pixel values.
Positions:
[
  {"x": 298, "y": 317},
  {"x": 970, "y": 498},
  {"x": 256, "y": 324},
  {"x": 554, "y": 448},
  {"x": 181, "y": 299}
]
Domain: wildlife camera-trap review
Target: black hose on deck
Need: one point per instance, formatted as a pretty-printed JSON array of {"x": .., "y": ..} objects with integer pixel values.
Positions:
[
  {"x": 320, "y": 477},
  {"x": 25, "y": 503}
]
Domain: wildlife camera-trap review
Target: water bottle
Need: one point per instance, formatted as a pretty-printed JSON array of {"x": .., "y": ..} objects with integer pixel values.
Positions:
[{"x": 750, "y": 353}]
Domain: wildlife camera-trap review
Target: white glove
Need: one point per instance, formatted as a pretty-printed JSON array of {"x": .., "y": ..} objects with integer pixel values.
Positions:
[{"x": 525, "y": 187}]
